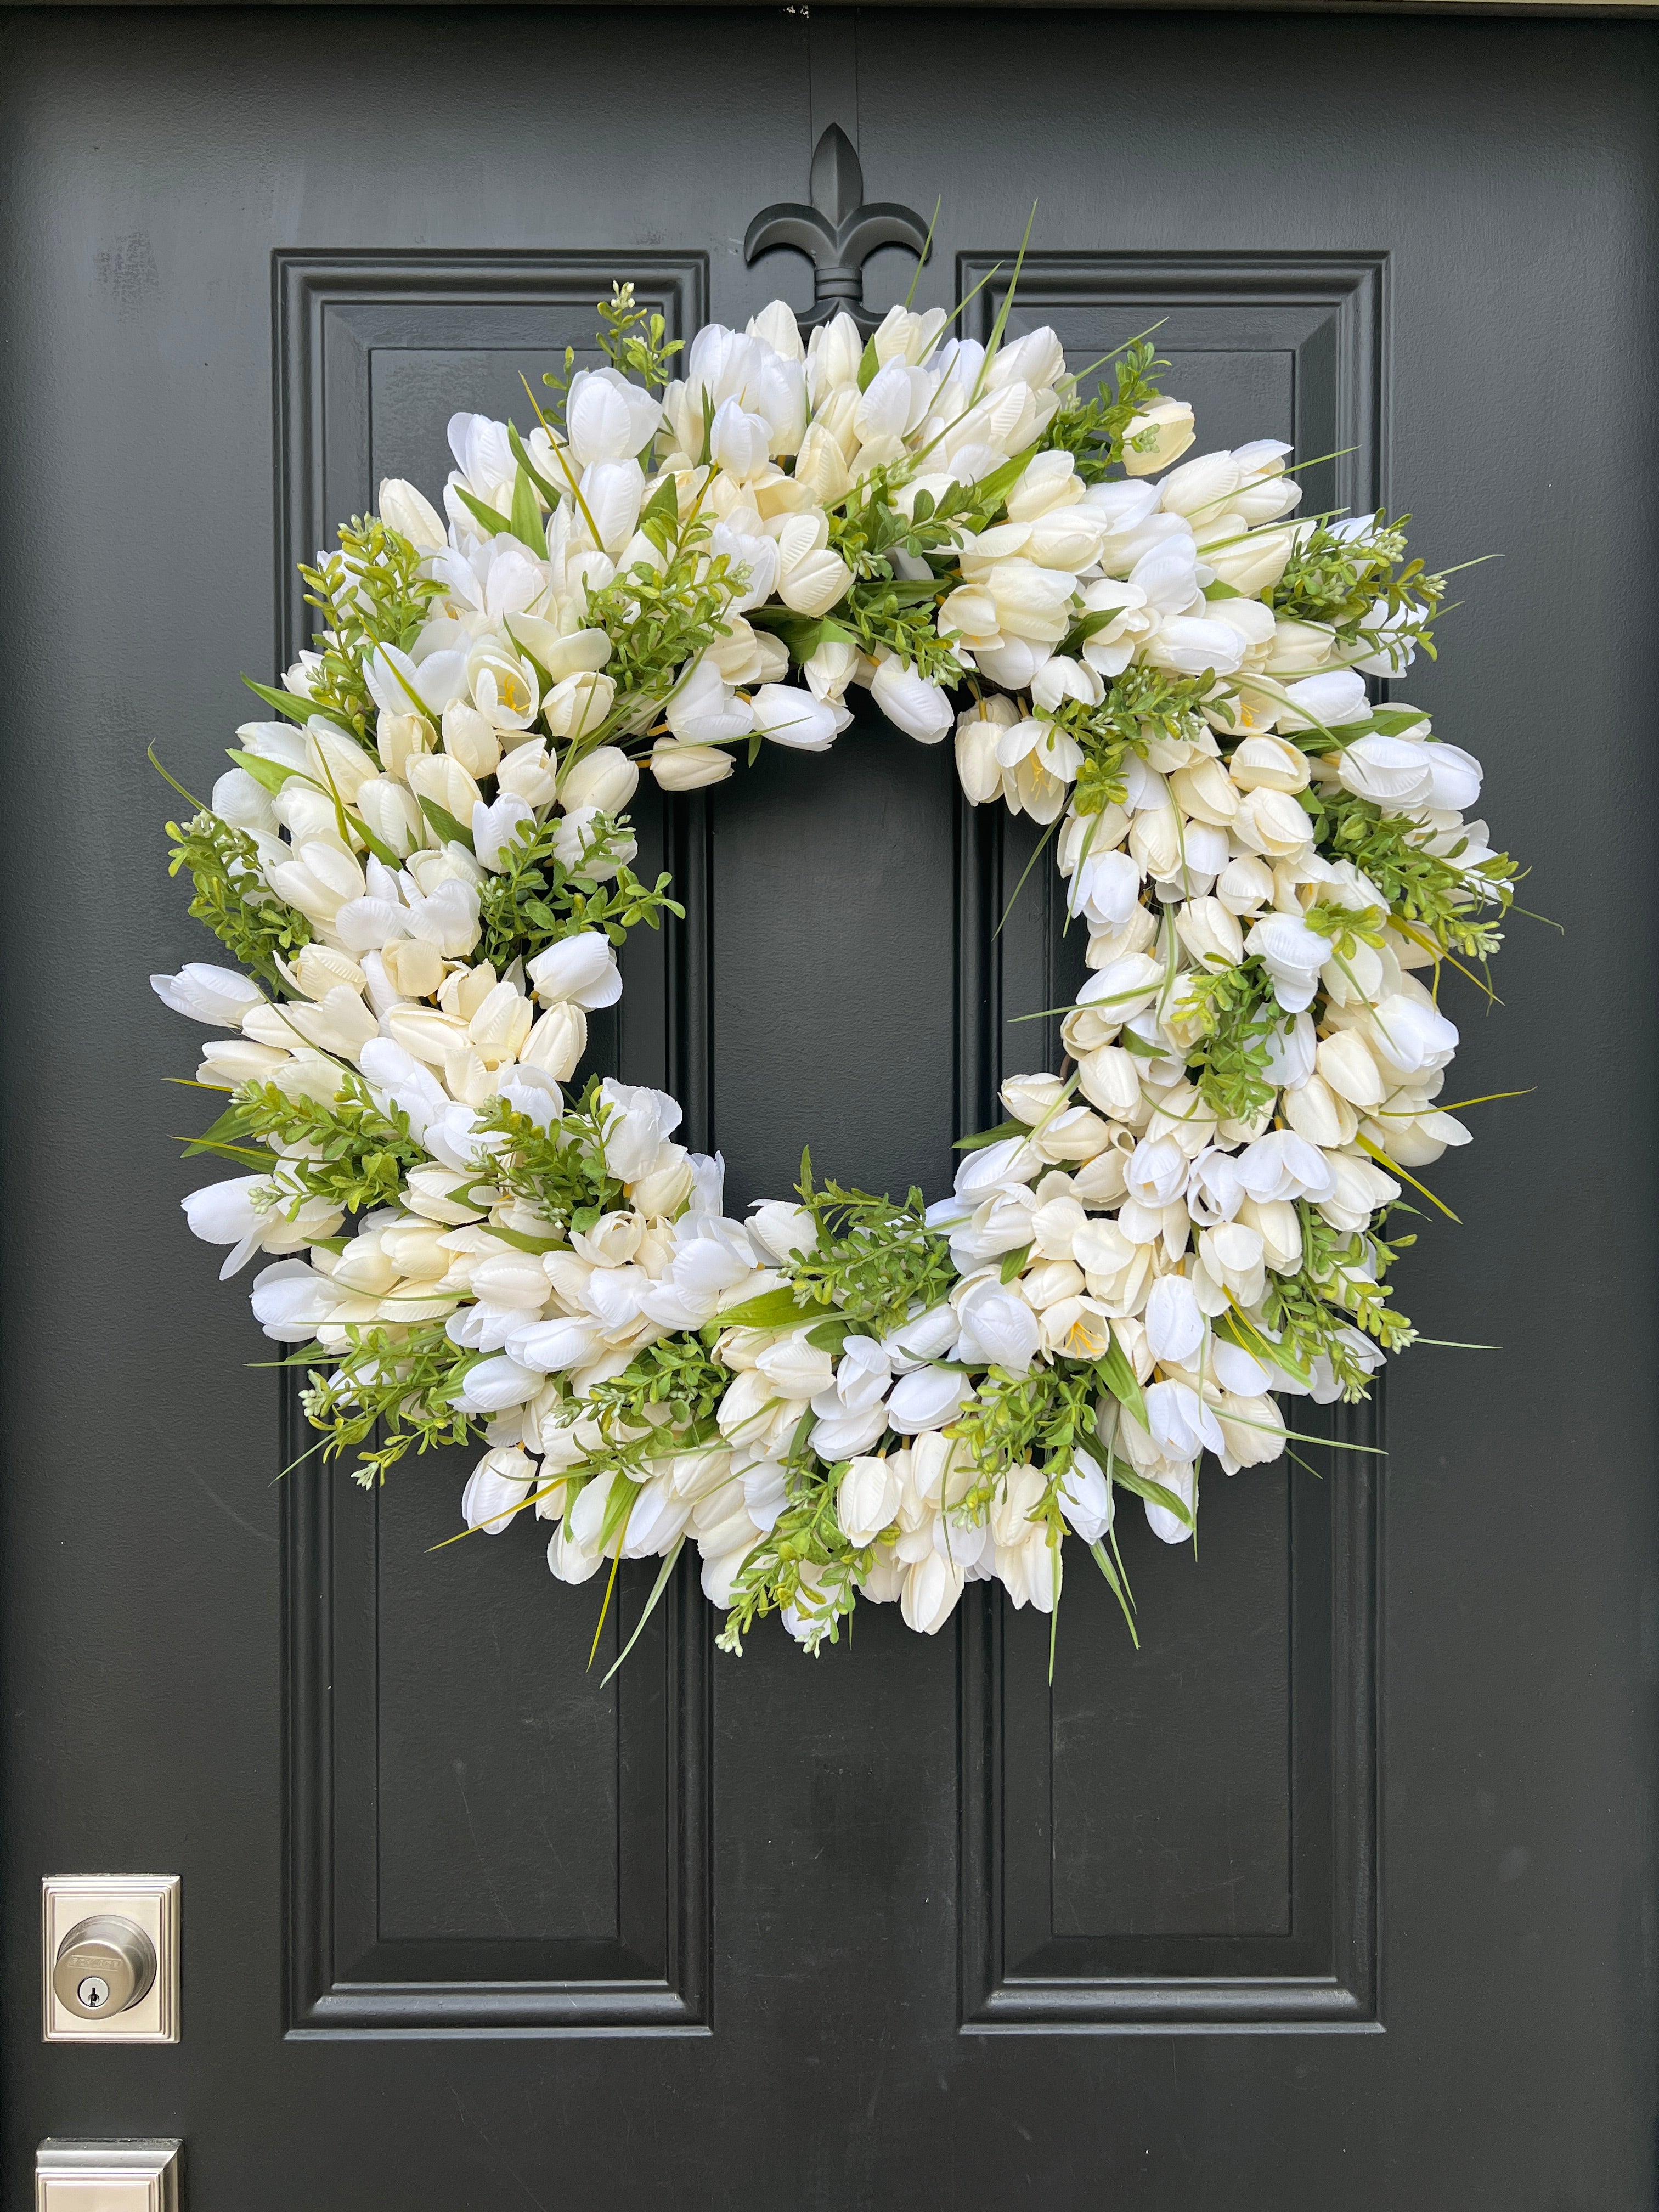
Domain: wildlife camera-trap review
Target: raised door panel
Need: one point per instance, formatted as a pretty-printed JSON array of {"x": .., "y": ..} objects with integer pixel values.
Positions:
[
  {"x": 486, "y": 1833},
  {"x": 1182, "y": 1834}
]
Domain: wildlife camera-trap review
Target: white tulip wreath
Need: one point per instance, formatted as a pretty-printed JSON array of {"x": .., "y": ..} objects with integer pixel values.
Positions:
[{"x": 423, "y": 868}]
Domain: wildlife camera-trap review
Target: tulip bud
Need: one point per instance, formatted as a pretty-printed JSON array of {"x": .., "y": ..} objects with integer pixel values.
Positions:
[
  {"x": 579, "y": 704},
  {"x": 606, "y": 779},
  {"x": 414, "y": 967},
  {"x": 931, "y": 1590},
  {"x": 779, "y": 1229},
  {"x": 1313, "y": 1111},
  {"x": 920, "y": 709},
  {"x": 440, "y": 778},
  {"x": 664, "y": 1191},
  {"x": 678, "y": 767},
  {"x": 412, "y": 515},
  {"x": 320, "y": 970},
  {"x": 526, "y": 774},
  {"x": 866, "y": 1499},
  {"x": 1349, "y": 1069},
  {"x": 1153, "y": 439},
  {"x": 389, "y": 810},
  {"x": 977, "y": 764},
  {"x": 398, "y": 737},
  {"x": 1110, "y": 1077},
  {"x": 468, "y": 739},
  {"x": 429, "y": 1191},
  {"x": 1268, "y": 763},
  {"x": 558, "y": 1041}
]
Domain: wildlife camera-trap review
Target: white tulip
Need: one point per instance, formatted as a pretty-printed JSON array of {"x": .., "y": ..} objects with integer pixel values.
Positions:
[
  {"x": 932, "y": 1588},
  {"x": 556, "y": 1043},
  {"x": 866, "y": 1499},
  {"x": 219, "y": 996},
  {"x": 1175, "y": 1325},
  {"x": 1324, "y": 702},
  {"x": 1086, "y": 1497},
  {"x": 1155, "y": 438},
  {"x": 792, "y": 717},
  {"x": 497, "y": 1488},
  {"x": 1293, "y": 955},
  {"x": 581, "y": 969},
  {"x": 998, "y": 1329},
  {"x": 607, "y": 418},
  {"x": 678, "y": 767},
  {"x": 412, "y": 514},
  {"x": 927, "y": 1398},
  {"x": 242, "y": 800},
  {"x": 291, "y": 1302},
  {"x": 779, "y": 1229},
  {"x": 605, "y": 779}
]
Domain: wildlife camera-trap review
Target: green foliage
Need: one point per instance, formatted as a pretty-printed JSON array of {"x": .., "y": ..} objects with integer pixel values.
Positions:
[
  {"x": 1041, "y": 1416},
  {"x": 804, "y": 1561},
  {"x": 1363, "y": 587},
  {"x": 660, "y": 619},
  {"x": 1430, "y": 890},
  {"x": 249, "y": 921},
  {"x": 370, "y": 593},
  {"x": 1091, "y": 430},
  {"x": 1310, "y": 1310},
  {"x": 1238, "y": 1017},
  {"x": 400, "y": 1378},
  {"x": 1140, "y": 704},
  {"x": 536, "y": 899},
  {"x": 559, "y": 1172},
  {"x": 874, "y": 1258},
  {"x": 664, "y": 1398},
  {"x": 633, "y": 341},
  {"x": 354, "y": 1155}
]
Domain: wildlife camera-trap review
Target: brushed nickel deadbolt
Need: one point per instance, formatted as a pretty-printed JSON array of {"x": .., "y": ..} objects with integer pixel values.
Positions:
[
  {"x": 103, "y": 1965},
  {"x": 110, "y": 1958}
]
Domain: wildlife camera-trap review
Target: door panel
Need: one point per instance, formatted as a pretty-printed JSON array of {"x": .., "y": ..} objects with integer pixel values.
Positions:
[{"x": 1347, "y": 1873}]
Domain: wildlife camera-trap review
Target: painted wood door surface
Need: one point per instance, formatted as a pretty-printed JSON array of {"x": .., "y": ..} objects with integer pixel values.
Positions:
[{"x": 1340, "y": 1891}]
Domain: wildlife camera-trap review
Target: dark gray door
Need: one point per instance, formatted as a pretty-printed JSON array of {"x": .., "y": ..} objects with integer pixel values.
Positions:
[{"x": 1340, "y": 1891}]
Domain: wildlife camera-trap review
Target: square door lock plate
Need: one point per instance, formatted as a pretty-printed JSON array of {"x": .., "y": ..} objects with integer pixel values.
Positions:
[
  {"x": 149, "y": 1902},
  {"x": 123, "y": 2176}
]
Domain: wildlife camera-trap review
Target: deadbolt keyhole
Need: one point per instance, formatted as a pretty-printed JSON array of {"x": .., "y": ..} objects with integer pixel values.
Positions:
[{"x": 103, "y": 1966}]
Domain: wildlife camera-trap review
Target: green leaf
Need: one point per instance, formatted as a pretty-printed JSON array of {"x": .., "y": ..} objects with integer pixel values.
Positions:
[
  {"x": 526, "y": 518},
  {"x": 771, "y": 1309},
  {"x": 495, "y": 523},
  {"x": 288, "y": 702},
  {"x": 1220, "y": 590},
  {"x": 445, "y": 825},
  {"x": 869, "y": 365},
  {"x": 657, "y": 1588},
  {"x": 830, "y": 1336},
  {"x": 1119, "y": 1588},
  {"x": 549, "y": 491},
  {"x": 1013, "y": 1262},
  {"x": 272, "y": 774},
  {"x": 1144, "y": 1487},
  {"x": 520, "y": 1241},
  {"x": 1115, "y": 1372},
  {"x": 984, "y": 1137}
]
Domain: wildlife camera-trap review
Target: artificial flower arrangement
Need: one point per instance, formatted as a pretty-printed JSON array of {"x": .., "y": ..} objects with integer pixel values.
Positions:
[{"x": 421, "y": 865}]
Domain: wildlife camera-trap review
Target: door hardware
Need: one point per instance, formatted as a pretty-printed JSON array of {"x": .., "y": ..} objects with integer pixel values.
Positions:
[
  {"x": 104, "y": 1965},
  {"x": 123, "y": 2176},
  {"x": 838, "y": 233},
  {"x": 110, "y": 1958}
]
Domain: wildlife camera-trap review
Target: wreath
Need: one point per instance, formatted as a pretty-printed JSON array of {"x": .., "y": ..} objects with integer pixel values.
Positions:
[{"x": 421, "y": 865}]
